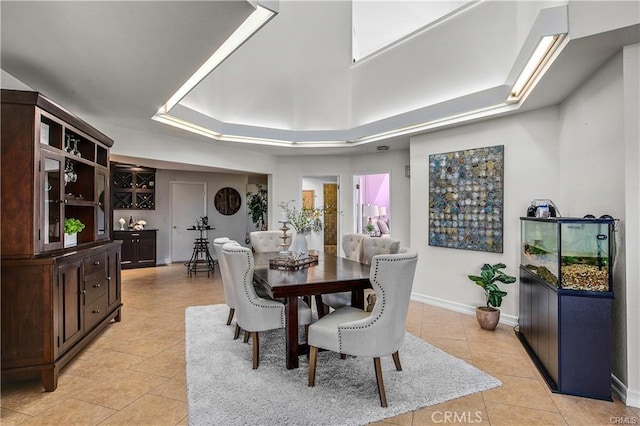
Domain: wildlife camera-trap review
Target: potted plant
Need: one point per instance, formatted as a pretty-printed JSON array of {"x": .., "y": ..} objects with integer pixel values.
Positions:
[
  {"x": 370, "y": 228},
  {"x": 258, "y": 207},
  {"x": 71, "y": 228},
  {"x": 488, "y": 316}
]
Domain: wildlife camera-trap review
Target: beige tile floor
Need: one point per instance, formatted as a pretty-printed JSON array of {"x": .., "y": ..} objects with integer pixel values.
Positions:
[{"x": 134, "y": 372}]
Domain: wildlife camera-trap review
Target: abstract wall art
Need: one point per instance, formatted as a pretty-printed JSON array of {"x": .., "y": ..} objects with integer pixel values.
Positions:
[{"x": 466, "y": 191}]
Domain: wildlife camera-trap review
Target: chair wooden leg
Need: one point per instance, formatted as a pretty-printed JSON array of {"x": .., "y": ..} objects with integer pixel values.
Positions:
[
  {"x": 256, "y": 350},
  {"x": 313, "y": 357},
  {"x": 230, "y": 317},
  {"x": 396, "y": 361},
  {"x": 306, "y": 332},
  {"x": 246, "y": 336},
  {"x": 236, "y": 333},
  {"x": 381, "y": 392}
]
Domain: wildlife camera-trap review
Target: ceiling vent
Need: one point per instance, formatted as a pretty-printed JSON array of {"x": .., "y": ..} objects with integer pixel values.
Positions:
[{"x": 383, "y": 148}]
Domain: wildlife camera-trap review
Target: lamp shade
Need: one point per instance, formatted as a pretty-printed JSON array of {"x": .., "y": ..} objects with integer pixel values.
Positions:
[
  {"x": 382, "y": 210},
  {"x": 370, "y": 210}
]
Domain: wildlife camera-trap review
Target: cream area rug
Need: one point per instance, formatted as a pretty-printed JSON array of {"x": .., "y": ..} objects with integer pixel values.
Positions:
[{"x": 222, "y": 388}]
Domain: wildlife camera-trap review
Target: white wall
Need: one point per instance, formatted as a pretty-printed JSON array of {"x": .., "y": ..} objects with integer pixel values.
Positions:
[
  {"x": 531, "y": 170},
  {"x": 234, "y": 226},
  {"x": 584, "y": 155},
  {"x": 287, "y": 184},
  {"x": 631, "y": 70},
  {"x": 592, "y": 152}
]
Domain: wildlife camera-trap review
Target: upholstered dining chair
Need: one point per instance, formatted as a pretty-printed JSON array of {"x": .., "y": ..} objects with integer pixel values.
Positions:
[
  {"x": 254, "y": 313},
  {"x": 265, "y": 241},
  {"x": 352, "y": 248},
  {"x": 353, "y": 331},
  {"x": 229, "y": 292}
]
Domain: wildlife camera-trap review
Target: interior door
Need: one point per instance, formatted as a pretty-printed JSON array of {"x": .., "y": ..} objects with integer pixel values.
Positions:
[
  {"x": 188, "y": 203},
  {"x": 331, "y": 218}
]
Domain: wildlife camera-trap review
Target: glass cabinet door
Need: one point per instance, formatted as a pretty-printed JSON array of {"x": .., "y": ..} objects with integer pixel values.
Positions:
[
  {"x": 103, "y": 207},
  {"x": 52, "y": 219}
]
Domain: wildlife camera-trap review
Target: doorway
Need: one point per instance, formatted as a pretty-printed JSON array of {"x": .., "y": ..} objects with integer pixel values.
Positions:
[
  {"x": 319, "y": 191},
  {"x": 372, "y": 201},
  {"x": 188, "y": 203}
]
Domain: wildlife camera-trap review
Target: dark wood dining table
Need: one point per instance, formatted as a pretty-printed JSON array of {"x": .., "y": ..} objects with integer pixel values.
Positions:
[{"x": 332, "y": 274}]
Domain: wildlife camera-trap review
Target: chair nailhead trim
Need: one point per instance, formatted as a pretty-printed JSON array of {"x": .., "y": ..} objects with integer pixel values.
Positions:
[{"x": 373, "y": 279}]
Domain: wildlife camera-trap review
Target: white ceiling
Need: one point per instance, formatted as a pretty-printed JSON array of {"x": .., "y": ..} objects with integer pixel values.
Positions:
[{"x": 121, "y": 61}]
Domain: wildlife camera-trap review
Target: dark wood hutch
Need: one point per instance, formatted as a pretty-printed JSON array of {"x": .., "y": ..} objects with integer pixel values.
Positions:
[{"x": 54, "y": 299}]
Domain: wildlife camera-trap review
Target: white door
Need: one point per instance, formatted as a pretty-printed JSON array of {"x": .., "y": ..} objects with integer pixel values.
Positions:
[{"x": 188, "y": 203}]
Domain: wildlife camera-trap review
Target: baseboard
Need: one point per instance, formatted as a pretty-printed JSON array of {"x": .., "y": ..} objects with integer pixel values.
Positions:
[
  {"x": 460, "y": 307},
  {"x": 629, "y": 397}
]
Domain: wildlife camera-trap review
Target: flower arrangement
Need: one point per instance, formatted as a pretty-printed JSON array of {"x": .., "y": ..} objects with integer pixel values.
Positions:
[
  {"x": 304, "y": 220},
  {"x": 72, "y": 226}
]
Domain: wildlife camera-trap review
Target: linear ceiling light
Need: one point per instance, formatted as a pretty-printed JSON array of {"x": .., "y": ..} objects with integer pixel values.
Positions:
[
  {"x": 539, "y": 58},
  {"x": 248, "y": 28}
]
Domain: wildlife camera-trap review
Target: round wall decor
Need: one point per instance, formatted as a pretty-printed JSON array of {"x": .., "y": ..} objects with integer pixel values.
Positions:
[{"x": 227, "y": 201}]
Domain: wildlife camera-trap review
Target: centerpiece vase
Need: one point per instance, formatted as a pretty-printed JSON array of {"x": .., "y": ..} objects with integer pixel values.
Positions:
[{"x": 299, "y": 247}]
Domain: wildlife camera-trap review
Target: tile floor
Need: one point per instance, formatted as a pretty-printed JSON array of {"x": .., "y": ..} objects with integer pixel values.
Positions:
[{"x": 134, "y": 372}]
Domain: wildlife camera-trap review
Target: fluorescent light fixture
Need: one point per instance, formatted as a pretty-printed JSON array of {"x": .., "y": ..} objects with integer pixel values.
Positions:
[
  {"x": 185, "y": 125},
  {"x": 248, "y": 28},
  {"x": 539, "y": 58}
]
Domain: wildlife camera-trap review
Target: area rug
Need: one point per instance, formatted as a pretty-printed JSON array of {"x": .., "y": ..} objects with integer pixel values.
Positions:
[{"x": 222, "y": 388}]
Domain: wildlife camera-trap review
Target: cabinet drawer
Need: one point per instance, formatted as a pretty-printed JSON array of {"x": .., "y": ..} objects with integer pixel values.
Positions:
[
  {"x": 94, "y": 287},
  {"x": 94, "y": 312},
  {"x": 95, "y": 263}
]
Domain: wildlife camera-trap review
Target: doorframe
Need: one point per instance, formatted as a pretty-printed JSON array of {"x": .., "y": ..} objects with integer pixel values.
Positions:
[
  {"x": 338, "y": 177},
  {"x": 357, "y": 225},
  {"x": 171, "y": 192}
]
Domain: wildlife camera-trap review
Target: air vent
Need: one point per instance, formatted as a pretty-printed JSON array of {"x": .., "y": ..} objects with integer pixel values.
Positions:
[{"x": 383, "y": 148}]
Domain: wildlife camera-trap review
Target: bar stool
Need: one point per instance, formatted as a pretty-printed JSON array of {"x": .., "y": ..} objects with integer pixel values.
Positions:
[{"x": 201, "y": 259}]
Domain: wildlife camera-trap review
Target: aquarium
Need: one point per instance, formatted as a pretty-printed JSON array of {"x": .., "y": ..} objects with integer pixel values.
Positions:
[{"x": 569, "y": 253}]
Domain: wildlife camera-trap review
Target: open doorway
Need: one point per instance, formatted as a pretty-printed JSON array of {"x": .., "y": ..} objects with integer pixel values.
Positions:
[
  {"x": 373, "y": 204},
  {"x": 318, "y": 191}
]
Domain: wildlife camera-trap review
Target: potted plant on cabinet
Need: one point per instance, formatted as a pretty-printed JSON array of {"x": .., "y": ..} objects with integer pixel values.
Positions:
[
  {"x": 71, "y": 228},
  {"x": 488, "y": 316}
]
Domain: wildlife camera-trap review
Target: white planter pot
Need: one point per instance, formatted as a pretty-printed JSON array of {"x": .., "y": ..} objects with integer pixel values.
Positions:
[{"x": 70, "y": 240}]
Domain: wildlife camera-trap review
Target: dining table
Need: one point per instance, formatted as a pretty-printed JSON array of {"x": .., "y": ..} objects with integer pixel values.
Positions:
[{"x": 331, "y": 274}]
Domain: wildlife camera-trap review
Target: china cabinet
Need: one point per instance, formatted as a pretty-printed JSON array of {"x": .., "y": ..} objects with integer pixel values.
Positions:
[{"x": 54, "y": 300}]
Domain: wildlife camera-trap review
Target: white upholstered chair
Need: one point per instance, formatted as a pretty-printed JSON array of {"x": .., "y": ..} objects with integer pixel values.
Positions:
[
  {"x": 229, "y": 291},
  {"x": 254, "y": 313},
  {"x": 265, "y": 241},
  {"x": 374, "y": 246},
  {"x": 352, "y": 249},
  {"x": 380, "y": 333}
]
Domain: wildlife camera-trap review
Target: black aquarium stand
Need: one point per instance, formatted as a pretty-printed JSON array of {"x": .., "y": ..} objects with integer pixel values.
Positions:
[{"x": 567, "y": 334}]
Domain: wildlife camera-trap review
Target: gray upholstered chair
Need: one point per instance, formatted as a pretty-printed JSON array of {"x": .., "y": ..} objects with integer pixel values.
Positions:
[
  {"x": 352, "y": 248},
  {"x": 254, "y": 313},
  {"x": 229, "y": 292},
  {"x": 265, "y": 241},
  {"x": 380, "y": 333}
]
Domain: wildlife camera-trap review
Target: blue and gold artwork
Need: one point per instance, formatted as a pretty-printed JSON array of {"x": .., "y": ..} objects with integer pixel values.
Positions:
[{"x": 466, "y": 199}]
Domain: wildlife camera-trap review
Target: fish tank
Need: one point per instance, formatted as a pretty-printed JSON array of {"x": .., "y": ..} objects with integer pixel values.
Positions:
[{"x": 569, "y": 253}]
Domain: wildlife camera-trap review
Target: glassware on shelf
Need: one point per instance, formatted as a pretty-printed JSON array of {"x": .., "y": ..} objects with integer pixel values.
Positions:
[
  {"x": 67, "y": 143},
  {"x": 75, "y": 148}
]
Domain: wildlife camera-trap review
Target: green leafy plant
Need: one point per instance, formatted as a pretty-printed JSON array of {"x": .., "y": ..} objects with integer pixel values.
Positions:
[
  {"x": 489, "y": 275},
  {"x": 258, "y": 207},
  {"x": 370, "y": 228},
  {"x": 72, "y": 226}
]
